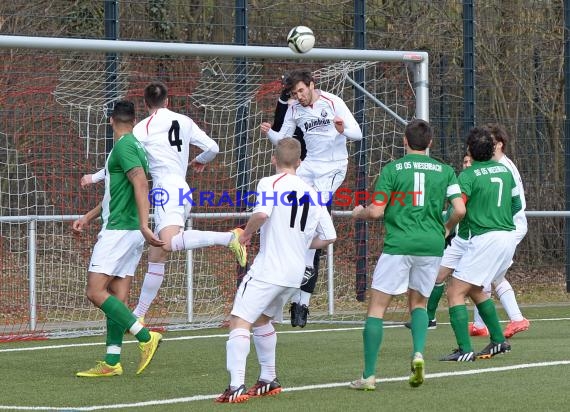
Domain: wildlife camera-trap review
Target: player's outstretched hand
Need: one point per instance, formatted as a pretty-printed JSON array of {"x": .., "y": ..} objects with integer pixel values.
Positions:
[
  {"x": 197, "y": 166},
  {"x": 151, "y": 238},
  {"x": 357, "y": 211},
  {"x": 79, "y": 225},
  {"x": 338, "y": 124},
  {"x": 86, "y": 180}
]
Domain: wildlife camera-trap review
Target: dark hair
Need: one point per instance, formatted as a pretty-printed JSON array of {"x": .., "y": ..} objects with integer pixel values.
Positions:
[
  {"x": 124, "y": 112},
  {"x": 418, "y": 133},
  {"x": 155, "y": 94},
  {"x": 480, "y": 144},
  {"x": 499, "y": 133},
  {"x": 300, "y": 75}
]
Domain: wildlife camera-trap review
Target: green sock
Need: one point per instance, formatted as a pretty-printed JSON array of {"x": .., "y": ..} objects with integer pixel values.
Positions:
[
  {"x": 118, "y": 312},
  {"x": 419, "y": 326},
  {"x": 114, "y": 342},
  {"x": 434, "y": 299},
  {"x": 372, "y": 336},
  {"x": 459, "y": 319},
  {"x": 489, "y": 315}
]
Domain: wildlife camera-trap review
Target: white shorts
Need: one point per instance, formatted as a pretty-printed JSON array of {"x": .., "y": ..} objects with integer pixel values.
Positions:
[
  {"x": 454, "y": 252},
  {"x": 117, "y": 252},
  {"x": 168, "y": 210},
  {"x": 255, "y": 298},
  {"x": 489, "y": 255},
  {"x": 520, "y": 233},
  {"x": 395, "y": 274},
  {"x": 324, "y": 177}
]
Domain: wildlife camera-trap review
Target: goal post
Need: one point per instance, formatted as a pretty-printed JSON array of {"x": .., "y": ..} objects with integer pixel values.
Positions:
[{"x": 57, "y": 96}]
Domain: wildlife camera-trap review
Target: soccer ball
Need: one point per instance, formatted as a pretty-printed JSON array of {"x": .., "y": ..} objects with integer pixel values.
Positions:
[{"x": 301, "y": 39}]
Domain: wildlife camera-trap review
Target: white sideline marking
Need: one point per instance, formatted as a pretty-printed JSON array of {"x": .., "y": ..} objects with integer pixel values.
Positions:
[
  {"x": 296, "y": 389},
  {"x": 225, "y": 335}
]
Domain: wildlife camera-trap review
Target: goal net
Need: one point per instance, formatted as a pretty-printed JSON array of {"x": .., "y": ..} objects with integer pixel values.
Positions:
[{"x": 57, "y": 130}]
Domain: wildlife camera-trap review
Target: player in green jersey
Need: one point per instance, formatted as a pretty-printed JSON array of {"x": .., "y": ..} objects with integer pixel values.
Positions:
[
  {"x": 125, "y": 213},
  {"x": 456, "y": 246},
  {"x": 492, "y": 198},
  {"x": 410, "y": 195}
]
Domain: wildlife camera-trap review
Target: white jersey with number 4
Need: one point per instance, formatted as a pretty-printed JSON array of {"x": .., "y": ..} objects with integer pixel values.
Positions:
[
  {"x": 166, "y": 136},
  {"x": 295, "y": 218}
]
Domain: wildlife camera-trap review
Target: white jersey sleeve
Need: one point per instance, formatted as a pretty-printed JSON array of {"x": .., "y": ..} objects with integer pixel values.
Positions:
[
  {"x": 325, "y": 229},
  {"x": 199, "y": 138},
  {"x": 352, "y": 130},
  {"x": 287, "y": 128}
]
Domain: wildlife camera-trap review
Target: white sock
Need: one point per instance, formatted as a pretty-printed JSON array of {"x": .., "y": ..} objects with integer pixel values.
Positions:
[
  {"x": 296, "y": 298},
  {"x": 193, "y": 239},
  {"x": 507, "y": 297},
  {"x": 151, "y": 284},
  {"x": 114, "y": 349},
  {"x": 477, "y": 320},
  {"x": 310, "y": 257},
  {"x": 237, "y": 349},
  {"x": 304, "y": 298},
  {"x": 265, "y": 341}
]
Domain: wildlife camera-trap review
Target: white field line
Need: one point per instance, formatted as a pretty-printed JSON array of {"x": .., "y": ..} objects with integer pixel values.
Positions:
[
  {"x": 225, "y": 335},
  {"x": 295, "y": 389}
]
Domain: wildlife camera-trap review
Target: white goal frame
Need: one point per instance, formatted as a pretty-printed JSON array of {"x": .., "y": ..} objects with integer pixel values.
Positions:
[{"x": 416, "y": 61}]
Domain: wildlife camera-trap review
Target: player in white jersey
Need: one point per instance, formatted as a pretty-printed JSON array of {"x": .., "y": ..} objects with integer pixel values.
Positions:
[
  {"x": 166, "y": 137},
  {"x": 503, "y": 289},
  {"x": 326, "y": 123},
  {"x": 290, "y": 221}
]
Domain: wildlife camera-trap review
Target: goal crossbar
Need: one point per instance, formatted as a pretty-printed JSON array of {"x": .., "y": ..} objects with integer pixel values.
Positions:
[{"x": 417, "y": 60}]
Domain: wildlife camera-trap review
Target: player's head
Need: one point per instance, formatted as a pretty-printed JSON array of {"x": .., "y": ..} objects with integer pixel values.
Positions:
[
  {"x": 302, "y": 86},
  {"x": 287, "y": 154},
  {"x": 500, "y": 136},
  {"x": 467, "y": 160},
  {"x": 480, "y": 144},
  {"x": 156, "y": 95},
  {"x": 123, "y": 113},
  {"x": 418, "y": 135}
]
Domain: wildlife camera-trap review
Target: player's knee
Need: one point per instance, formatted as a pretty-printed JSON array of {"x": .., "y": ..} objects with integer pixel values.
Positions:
[{"x": 443, "y": 274}]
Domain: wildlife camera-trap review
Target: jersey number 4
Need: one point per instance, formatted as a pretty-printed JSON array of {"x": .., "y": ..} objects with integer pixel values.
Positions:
[
  {"x": 174, "y": 135},
  {"x": 295, "y": 203}
]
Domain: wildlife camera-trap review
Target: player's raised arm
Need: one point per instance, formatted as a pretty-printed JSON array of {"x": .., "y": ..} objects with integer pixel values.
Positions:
[{"x": 287, "y": 130}]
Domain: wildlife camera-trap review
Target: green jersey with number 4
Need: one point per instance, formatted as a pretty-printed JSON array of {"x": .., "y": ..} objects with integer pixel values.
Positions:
[
  {"x": 119, "y": 205},
  {"x": 414, "y": 189},
  {"x": 492, "y": 197}
]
